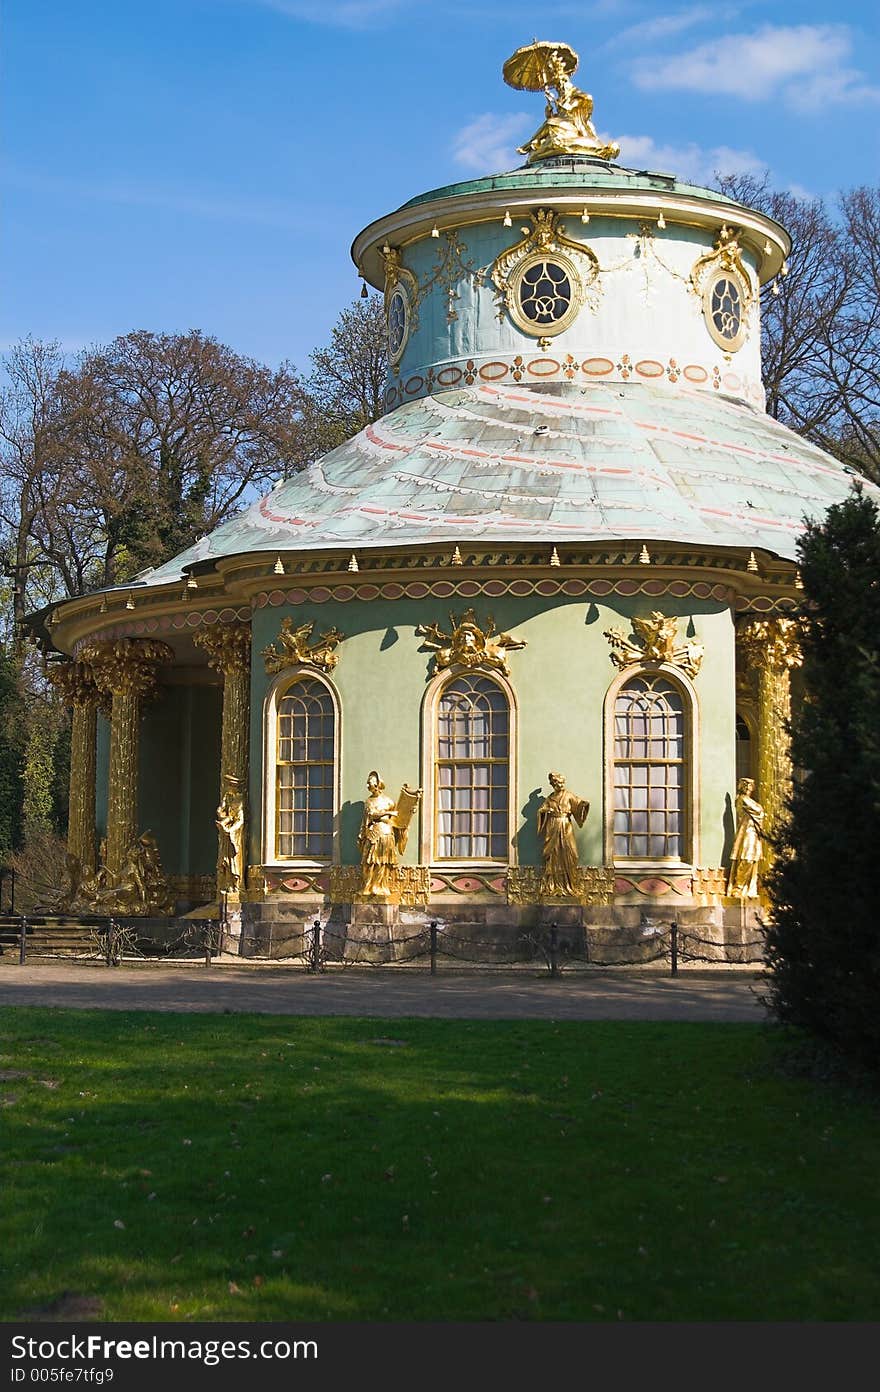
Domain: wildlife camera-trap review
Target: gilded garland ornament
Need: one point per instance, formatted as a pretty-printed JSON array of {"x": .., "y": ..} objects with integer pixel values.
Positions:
[
  {"x": 567, "y": 128},
  {"x": 468, "y": 644},
  {"x": 292, "y": 648},
  {"x": 656, "y": 641}
]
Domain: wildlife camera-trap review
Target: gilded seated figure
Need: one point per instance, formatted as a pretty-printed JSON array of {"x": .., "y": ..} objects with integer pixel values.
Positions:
[
  {"x": 555, "y": 817},
  {"x": 568, "y": 127}
]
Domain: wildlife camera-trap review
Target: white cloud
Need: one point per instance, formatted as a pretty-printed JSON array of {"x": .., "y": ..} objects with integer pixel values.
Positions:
[
  {"x": 663, "y": 27},
  {"x": 805, "y": 63},
  {"x": 690, "y": 162},
  {"x": 489, "y": 142}
]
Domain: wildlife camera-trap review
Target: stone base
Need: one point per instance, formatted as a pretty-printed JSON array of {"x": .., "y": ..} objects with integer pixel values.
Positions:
[{"x": 280, "y": 927}]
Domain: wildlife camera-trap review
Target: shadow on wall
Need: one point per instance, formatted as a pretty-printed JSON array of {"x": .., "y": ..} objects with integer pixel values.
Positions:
[
  {"x": 351, "y": 814},
  {"x": 528, "y": 850},
  {"x": 729, "y": 825}
]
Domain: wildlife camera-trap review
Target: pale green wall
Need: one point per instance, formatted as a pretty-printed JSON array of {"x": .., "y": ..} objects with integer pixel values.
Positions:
[{"x": 560, "y": 679}]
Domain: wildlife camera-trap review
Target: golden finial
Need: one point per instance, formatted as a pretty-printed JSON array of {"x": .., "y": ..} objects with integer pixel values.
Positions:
[
  {"x": 752, "y": 564},
  {"x": 456, "y": 557},
  {"x": 568, "y": 128},
  {"x": 554, "y": 557},
  {"x": 278, "y": 567},
  {"x": 644, "y": 556},
  {"x": 353, "y": 563}
]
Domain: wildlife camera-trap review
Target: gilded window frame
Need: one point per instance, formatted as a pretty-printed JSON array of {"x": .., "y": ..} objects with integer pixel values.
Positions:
[
  {"x": 428, "y": 837},
  {"x": 578, "y": 294},
  {"x": 274, "y": 695},
  {"x": 691, "y": 782}
]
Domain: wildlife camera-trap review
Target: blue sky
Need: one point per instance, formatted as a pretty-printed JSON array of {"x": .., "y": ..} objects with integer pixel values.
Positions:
[{"x": 177, "y": 164}]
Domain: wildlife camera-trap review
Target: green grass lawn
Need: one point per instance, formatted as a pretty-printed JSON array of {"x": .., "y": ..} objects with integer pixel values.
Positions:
[{"x": 253, "y": 1167}]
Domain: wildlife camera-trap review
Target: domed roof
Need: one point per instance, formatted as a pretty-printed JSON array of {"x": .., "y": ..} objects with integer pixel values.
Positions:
[{"x": 545, "y": 463}]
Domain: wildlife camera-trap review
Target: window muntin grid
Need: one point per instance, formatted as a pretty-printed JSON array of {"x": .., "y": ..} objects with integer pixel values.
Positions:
[
  {"x": 305, "y": 772},
  {"x": 649, "y": 771},
  {"x": 472, "y": 771}
]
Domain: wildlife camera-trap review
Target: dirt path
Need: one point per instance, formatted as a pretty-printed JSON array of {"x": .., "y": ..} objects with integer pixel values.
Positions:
[{"x": 397, "y": 992}]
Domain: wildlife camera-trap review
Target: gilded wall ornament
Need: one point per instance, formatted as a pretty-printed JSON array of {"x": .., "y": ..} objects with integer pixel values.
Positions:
[
  {"x": 401, "y": 304},
  {"x": 656, "y": 641},
  {"x": 567, "y": 128},
  {"x": 469, "y": 645},
  {"x": 722, "y": 281},
  {"x": 292, "y": 648},
  {"x": 544, "y": 280},
  {"x": 451, "y": 267}
]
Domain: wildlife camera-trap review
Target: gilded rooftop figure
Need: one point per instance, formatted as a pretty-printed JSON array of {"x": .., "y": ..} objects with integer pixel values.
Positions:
[{"x": 568, "y": 126}]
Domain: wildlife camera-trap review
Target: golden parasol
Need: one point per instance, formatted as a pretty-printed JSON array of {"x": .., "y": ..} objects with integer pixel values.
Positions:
[{"x": 531, "y": 68}]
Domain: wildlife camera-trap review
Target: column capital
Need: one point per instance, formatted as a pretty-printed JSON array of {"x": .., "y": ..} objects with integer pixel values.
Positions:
[
  {"x": 126, "y": 666},
  {"x": 75, "y": 684},
  {"x": 771, "y": 644},
  {"x": 228, "y": 647}
]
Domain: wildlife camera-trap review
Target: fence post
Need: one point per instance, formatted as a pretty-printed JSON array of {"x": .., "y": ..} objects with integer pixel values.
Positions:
[
  {"x": 22, "y": 944},
  {"x": 554, "y": 954},
  {"x": 433, "y": 948},
  {"x": 673, "y": 947},
  {"x": 315, "y": 954}
]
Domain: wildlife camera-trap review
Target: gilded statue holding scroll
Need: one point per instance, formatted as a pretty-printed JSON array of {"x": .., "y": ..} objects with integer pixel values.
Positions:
[
  {"x": 748, "y": 845},
  {"x": 383, "y": 835},
  {"x": 556, "y": 816}
]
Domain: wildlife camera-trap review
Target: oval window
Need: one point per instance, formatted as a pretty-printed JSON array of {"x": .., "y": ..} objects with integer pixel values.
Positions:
[
  {"x": 546, "y": 294},
  {"x": 724, "y": 310},
  {"x": 398, "y": 323}
]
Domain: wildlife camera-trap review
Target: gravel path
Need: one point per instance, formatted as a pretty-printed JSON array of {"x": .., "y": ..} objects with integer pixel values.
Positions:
[{"x": 715, "y": 994}]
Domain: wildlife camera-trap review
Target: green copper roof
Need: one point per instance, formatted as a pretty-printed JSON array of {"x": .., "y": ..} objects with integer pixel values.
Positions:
[
  {"x": 573, "y": 173},
  {"x": 561, "y": 463}
]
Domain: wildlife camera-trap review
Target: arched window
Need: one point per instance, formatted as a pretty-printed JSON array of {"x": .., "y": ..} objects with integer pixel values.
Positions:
[
  {"x": 305, "y": 772},
  {"x": 472, "y": 771},
  {"x": 651, "y": 773}
]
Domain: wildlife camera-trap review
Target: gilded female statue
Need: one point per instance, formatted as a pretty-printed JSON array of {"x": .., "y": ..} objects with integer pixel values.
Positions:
[
  {"x": 555, "y": 817},
  {"x": 229, "y": 820},
  {"x": 383, "y": 834},
  {"x": 748, "y": 845},
  {"x": 568, "y": 126}
]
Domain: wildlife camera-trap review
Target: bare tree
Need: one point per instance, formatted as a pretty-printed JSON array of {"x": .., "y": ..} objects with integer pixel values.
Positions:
[
  {"x": 347, "y": 382},
  {"x": 820, "y": 324}
]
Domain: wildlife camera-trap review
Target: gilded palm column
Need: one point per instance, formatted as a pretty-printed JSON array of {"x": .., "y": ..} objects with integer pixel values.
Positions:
[
  {"x": 771, "y": 648},
  {"x": 75, "y": 684},
  {"x": 125, "y": 668},
  {"x": 229, "y": 651}
]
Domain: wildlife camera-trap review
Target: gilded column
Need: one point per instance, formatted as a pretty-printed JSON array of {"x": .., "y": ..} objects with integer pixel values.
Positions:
[
  {"x": 229, "y": 652},
  {"x": 771, "y": 648},
  {"x": 75, "y": 685},
  {"x": 124, "y": 668}
]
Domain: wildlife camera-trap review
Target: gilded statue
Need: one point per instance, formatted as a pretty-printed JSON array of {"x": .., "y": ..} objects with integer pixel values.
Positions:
[
  {"x": 748, "y": 845},
  {"x": 568, "y": 127},
  {"x": 383, "y": 835},
  {"x": 293, "y": 647},
  {"x": 140, "y": 888},
  {"x": 229, "y": 820},
  {"x": 469, "y": 645},
  {"x": 556, "y": 815}
]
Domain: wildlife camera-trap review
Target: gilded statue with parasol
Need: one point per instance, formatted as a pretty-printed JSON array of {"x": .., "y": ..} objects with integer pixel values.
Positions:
[{"x": 568, "y": 128}]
